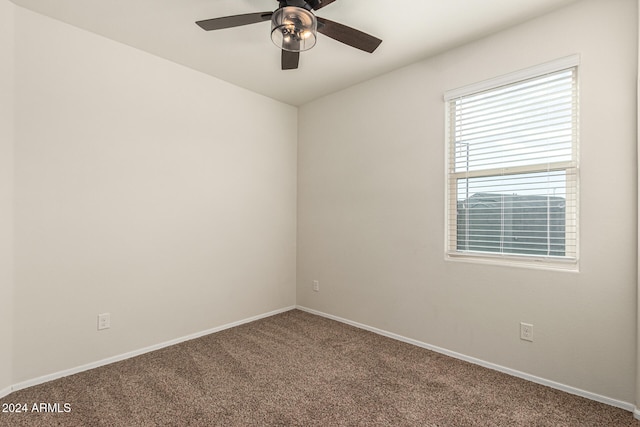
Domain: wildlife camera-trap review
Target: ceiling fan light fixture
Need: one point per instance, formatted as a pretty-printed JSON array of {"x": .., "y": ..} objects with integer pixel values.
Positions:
[{"x": 294, "y": 29}]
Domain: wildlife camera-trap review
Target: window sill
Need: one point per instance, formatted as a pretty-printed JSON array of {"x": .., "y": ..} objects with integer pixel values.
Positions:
[{"x": 562, "y": 264}]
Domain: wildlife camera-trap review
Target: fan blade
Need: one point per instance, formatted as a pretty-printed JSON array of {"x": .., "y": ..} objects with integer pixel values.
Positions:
[
  {"x": 319, "y": 4},
  {"x": 234, "y": 21},
  {"x": 348, "y": 35},
  {"x": 290, "y": 60}
]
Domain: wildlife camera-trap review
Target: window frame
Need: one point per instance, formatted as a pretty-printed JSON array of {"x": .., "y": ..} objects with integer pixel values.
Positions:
[{"x": 569, "y": 262}]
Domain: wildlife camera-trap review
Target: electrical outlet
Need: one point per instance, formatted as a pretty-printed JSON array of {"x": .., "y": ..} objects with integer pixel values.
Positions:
[
  {"x": 526, "y": 331},
  {"x": 316, "y": 286},
  {"x": 104, "y": 321}
]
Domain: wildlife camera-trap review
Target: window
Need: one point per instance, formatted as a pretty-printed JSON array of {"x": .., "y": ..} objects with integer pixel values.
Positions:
[{"x": 513, "y": 167}]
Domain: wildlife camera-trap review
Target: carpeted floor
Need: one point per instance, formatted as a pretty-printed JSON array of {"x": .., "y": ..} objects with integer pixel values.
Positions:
[{"x": 297, "y": 369}]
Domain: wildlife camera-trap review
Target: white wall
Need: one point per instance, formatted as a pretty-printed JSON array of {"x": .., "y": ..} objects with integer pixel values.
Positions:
[
  {"x": 371, "y": 192},
  {"x": 6, "y": 191},
  {"x": 144, "y": 189}
]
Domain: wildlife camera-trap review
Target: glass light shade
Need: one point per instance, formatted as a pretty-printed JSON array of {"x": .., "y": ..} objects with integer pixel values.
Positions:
[{"x": 293, "y": 28}]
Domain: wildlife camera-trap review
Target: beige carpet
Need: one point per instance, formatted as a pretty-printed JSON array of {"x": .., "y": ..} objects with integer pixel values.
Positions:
[{"x": 297, "y": 369}]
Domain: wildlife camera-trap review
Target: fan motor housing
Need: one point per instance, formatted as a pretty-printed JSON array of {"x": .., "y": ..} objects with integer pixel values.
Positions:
[{"x": 298, "y": 3}]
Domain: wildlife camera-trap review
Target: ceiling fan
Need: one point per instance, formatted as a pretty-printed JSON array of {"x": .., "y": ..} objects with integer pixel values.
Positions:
[{"x": 294, "y": 28}]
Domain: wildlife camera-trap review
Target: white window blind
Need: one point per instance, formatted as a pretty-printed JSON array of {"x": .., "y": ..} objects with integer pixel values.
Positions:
[{"x": 513, "y": 170}]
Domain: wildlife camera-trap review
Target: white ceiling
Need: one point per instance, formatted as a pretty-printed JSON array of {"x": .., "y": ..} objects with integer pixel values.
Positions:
[{"x": 245, "y": 56}]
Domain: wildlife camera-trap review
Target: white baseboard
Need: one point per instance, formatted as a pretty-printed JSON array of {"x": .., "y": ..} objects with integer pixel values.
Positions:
[
  {"x": 5, "y": 392},
  {"x": 562, "y": 387},
  {"x": 134, "y": 353}
]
